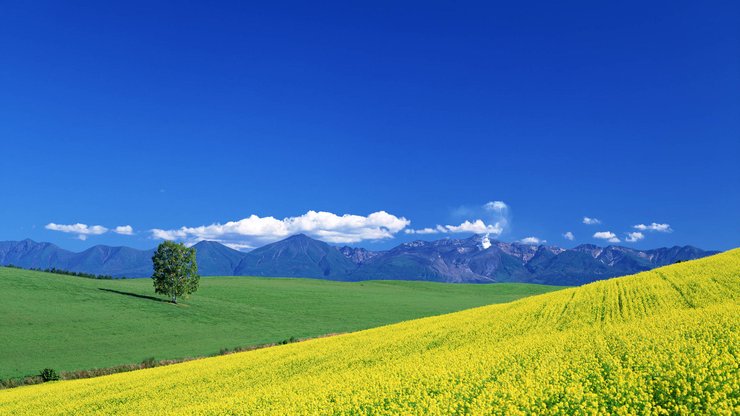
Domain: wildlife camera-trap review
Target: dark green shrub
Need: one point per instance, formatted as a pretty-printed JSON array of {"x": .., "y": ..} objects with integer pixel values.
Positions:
[
  {"x": 149, "y": 362},
  {"x": 49, "y": 374},
  {"x": 288, "y": 341}
]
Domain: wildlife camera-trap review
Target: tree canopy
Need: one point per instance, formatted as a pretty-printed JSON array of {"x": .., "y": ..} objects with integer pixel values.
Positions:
[{"x": 175, "y": 270}]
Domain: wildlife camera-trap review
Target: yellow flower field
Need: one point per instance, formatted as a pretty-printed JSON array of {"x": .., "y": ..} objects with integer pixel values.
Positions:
[{"x": 660, "y": 342}]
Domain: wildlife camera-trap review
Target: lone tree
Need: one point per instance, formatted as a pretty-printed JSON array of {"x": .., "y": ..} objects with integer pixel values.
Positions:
[{"x": 175, "y": 270}]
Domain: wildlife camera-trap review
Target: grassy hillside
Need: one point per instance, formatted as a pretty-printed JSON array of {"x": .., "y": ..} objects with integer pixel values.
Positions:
[
  {"x": 71, "y": 323},
  {"x": 659, "y": 342}
]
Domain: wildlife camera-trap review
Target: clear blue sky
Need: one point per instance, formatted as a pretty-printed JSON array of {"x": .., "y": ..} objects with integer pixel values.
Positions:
[{"x": 196, "y": 113}]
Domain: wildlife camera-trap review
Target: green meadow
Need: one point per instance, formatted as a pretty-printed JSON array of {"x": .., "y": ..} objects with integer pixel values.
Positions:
[{"x": 72, "y": 323}]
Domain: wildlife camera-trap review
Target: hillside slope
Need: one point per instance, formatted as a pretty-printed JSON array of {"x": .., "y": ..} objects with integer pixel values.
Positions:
[
  {"x": 663, "y": 341},
  {"x": 71, "y": 323}
]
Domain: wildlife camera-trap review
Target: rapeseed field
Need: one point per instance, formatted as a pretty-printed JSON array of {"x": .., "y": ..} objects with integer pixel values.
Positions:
[{"x": 660, "y": 342}]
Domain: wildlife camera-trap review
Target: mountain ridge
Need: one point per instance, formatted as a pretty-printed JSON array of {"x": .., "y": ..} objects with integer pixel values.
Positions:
[
  {"x": 475, "y": 259},
  {"x": 297, "y": 255}
]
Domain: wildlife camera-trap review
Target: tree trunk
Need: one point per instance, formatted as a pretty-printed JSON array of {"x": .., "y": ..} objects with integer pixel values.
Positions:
[{"x": 174, "y": 299}]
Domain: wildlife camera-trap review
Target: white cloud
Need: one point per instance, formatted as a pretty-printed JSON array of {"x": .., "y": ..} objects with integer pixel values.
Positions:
[
  {"x": 569, "y": 236},
  {"x": 82, "y": 230},
  {"x": 591, "y": 221},
  {"x": 238, "y": 246},
  {"x": 422, "y": 231},
  {"x": 124, "y": 230},
  {"x": 476, "y": 227},
  {"x": 496, "y": 206},
  {"x": 169, "y": 234},
  {"x": 661, "y": 228},
  {"x": 532, "y": 241},
  {"x": 492, "y": 219},
  {"x": 324, "y": 226},
  {"x": 634, "y": 237},
  {"x": 607, "y": 235}
]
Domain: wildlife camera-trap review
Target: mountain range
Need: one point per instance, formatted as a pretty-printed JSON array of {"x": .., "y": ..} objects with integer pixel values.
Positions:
[{"x": 476, "y": 259}]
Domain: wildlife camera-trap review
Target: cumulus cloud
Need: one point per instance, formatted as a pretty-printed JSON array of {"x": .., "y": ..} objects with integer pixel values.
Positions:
[
  {"x": 634, "y": 237},
  {"x": 607, "y": 235},
  {"x": 569, "y": 236},
  {"x": 324, "y": 226},
  {"x": 591, "y": 221},
  {"x": 124, "y": 230},
  {"x": 82, "y": 230},
  {"x": 532, "y": 241},
  {"x": 661, "y": 228},
  {"x": 493, "y": 218},
  {"x": 476, "y": 227}
]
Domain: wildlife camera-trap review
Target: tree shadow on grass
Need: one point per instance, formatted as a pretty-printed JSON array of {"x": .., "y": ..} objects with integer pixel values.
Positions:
[{"x": 135, "y": 295}]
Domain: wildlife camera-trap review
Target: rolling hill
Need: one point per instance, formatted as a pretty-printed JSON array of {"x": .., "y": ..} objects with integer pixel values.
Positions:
[
  {"x": 665, "y": 341},
  {"x": 471, "y": 260},
  {"x": 72, "y": 323}
]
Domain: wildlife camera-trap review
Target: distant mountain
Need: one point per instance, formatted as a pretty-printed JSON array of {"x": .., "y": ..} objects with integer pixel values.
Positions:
[
  {"x": 359, "y": 255},
  {"x": 215, "y": 259},
  {"x": 28, "y": 253},
  {"x": 477, "y": 259},
  {"x": 112, "y": 261},
  {"x": 442, "y": 260},
  {"x": 296, "y": 256},
  {"x": 472, "y": 260}
]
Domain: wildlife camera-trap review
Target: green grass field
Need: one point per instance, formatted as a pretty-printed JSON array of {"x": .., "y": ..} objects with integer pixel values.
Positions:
[
  {"x": 662, "y": 342},
  {"x": 71, "y": 323}
]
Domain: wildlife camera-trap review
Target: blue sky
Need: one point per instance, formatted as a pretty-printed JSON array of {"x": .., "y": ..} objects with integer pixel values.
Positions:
[{"x": 196, "y": 114}]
